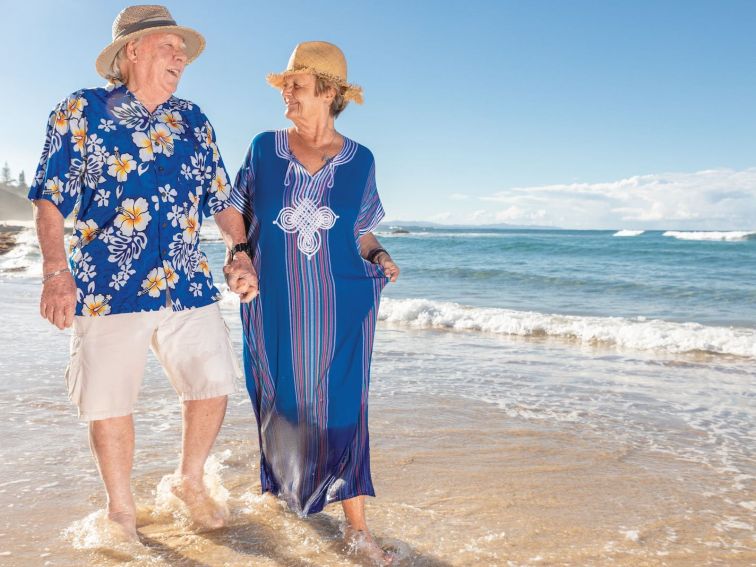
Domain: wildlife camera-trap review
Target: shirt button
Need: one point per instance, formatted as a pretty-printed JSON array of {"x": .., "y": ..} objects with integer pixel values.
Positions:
[
  {"x": 165, "y": 252},
  {"x": 161, "y": 169},
  {"x": 165, "y": 224}
]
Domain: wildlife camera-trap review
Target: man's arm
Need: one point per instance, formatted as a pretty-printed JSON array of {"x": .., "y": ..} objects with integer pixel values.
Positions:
[
  {"x": 58, "y": 301},
  {"x": 239, "y": 271}
]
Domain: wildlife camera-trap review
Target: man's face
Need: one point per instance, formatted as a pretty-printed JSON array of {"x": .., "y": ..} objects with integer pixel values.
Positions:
[{"x": 160, "y": 61}]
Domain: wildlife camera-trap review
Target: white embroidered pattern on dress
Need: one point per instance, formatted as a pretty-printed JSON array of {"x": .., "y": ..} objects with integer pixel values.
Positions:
[{"x": 306, "y": 219}]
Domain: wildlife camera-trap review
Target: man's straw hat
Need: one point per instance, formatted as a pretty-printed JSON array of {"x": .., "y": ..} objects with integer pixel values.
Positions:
[
  {"x": 321, "y": 59},
  {"x": 136, "y": 21}
]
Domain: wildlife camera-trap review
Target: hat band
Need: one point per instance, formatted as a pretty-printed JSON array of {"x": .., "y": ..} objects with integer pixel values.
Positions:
[
  {"x": 307, "y": 69},
  {"x": 139, "y": 26}
]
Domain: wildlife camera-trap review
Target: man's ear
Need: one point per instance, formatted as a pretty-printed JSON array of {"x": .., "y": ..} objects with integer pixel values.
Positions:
[{"x": 131, "y": 51}]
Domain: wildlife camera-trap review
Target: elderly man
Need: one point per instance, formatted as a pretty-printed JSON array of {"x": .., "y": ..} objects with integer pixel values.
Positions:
[{"x": 141, "y": 169}]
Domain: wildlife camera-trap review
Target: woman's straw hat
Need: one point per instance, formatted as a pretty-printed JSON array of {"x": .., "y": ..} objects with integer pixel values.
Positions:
[
  {"x": 136, "y": 21},
  {"x": 322, "y": 59}
]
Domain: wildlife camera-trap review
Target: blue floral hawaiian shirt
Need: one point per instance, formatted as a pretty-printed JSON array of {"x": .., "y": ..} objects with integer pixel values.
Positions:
[{"x": 139, "y": 185}]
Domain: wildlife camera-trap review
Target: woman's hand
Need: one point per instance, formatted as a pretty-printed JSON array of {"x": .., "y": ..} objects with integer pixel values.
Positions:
[
  {"x": 371, "y": 250},
  {"x": 389, "y": 267},
  {"x": 241, "y": 277}
]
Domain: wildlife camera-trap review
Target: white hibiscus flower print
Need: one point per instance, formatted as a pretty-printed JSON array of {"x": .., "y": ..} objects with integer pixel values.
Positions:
[
  {"x": 120, "y": 165},
  {"x": 54, "y": 188},
  {"x": 96, "y": 305},
  {"x": 154, "y": 283},
  {"x": 133, "y": 216}
]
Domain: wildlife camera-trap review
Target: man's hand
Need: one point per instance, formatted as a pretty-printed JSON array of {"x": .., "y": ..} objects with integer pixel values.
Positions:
[
  {"x": 58, "y": 301},
  {"x": 241, "y": 277}
]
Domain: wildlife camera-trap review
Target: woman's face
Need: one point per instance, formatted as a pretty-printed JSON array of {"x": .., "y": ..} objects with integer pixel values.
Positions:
[{"x": 299, "y": 96}]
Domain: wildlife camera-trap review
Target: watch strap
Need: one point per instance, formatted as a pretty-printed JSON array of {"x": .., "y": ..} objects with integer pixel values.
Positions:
[{"x": 241, "y": 247}]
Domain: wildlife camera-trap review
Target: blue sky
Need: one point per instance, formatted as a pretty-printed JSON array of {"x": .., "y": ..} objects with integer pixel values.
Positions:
[{"x": 581, "y": 114}]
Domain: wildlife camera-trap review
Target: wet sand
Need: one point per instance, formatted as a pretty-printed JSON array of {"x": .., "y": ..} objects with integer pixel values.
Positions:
[
  {"x": 459, "y": 482},
  {"x": 457, "y": 485}
]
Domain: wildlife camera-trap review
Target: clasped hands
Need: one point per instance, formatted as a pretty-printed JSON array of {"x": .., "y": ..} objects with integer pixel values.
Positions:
[{"x": 241, "y": 277}]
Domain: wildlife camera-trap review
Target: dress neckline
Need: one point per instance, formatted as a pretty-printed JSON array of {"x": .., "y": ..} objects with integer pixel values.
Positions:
[{"x": 333, "y": 161}]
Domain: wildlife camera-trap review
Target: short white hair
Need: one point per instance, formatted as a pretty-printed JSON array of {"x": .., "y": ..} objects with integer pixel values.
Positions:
[{"x": 117, "y": 73}]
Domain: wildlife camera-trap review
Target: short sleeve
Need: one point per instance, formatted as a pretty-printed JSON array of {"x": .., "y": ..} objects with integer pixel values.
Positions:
[
  {"x": 371, "y": 209},
  {"x": 244, "y": 186},
  {"x": 62, "y": 167},
  {"x": 217, "y": 198}
]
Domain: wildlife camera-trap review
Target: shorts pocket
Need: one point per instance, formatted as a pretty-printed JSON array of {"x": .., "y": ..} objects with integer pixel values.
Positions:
[
  {"x": 238, "y": 374},
  {"x": 74, "y": 370}
]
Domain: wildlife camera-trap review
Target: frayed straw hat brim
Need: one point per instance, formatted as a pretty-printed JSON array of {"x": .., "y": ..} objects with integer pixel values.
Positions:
[
  {"x": 351, "y": 93},
  {"x": 195, "y": 44}
]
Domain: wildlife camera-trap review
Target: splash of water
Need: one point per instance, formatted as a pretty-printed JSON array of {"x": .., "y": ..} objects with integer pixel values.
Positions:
[
  {"x": 97, "y": 532},
  {"x": 167, "y": 503}
]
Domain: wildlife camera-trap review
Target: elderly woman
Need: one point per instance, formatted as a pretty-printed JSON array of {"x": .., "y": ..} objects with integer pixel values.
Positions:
[{"x": 310, "y": 201}]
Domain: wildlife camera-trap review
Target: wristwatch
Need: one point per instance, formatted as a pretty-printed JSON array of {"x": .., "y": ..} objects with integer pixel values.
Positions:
[{"x": 241, "y": 247}]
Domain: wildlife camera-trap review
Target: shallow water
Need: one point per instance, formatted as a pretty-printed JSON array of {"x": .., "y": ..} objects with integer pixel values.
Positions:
[{"x": 540, "y": 398}]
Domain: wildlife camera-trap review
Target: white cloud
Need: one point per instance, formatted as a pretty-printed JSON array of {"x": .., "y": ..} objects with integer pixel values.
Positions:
[
  {"x": 519, "y": 215},
  {"x": 710, "y": 199}
]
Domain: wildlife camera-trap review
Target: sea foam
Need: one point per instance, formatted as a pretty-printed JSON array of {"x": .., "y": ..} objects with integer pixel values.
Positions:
[
  {"x": 23, "y": 259},
  {"x": 732, "y": 235},
  {"x": 628, "y": 233},
  {"x": 636, "y": 334}
]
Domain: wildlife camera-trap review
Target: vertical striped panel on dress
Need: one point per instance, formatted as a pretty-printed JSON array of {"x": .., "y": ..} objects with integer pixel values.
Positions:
[
  {"x": 257, "y": 366},
  {"x": 357, "y": 474},
  {"x": 312, "y": 305}
]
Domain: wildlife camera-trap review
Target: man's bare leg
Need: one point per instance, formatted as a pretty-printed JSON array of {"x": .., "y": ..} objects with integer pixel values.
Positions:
[
  {"x": 202, "y": 422},
  {"x": 357, "y": 534},
  {"x": 112, "y": 444}
]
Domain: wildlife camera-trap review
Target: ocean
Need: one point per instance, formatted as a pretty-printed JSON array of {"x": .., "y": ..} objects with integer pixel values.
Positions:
[{"x": 539, "y": 397}]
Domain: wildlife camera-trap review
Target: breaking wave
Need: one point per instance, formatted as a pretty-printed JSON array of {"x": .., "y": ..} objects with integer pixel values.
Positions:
[
  {"x": 23, "y": 258},
  {"x": 636, "y": 333},
  {"x": 732, "y": 235}
]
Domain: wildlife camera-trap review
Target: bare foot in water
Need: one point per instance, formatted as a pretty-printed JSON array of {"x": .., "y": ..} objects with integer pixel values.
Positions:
[
  {"x": 362, "y": 544},
  {"x": 204, "y": 511},
  {"x": 126, "y": 522}
]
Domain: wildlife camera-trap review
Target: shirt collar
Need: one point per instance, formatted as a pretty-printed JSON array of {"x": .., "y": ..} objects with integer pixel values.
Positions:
[{"x": 121, "y": 89}]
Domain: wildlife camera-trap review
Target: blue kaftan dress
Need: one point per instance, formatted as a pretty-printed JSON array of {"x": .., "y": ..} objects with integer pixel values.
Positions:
[{"x": 309, "y": 334}]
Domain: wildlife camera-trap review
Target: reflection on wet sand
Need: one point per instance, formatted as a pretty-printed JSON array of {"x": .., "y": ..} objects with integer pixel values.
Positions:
[{"x": 460, "y": 485}]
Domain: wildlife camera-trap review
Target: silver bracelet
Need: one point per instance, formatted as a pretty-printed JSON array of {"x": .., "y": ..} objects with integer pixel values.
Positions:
[{"x": 51, "y": 275}]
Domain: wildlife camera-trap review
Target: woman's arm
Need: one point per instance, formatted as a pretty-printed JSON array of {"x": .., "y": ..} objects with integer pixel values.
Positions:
[{"x": 371, "y": 250}]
